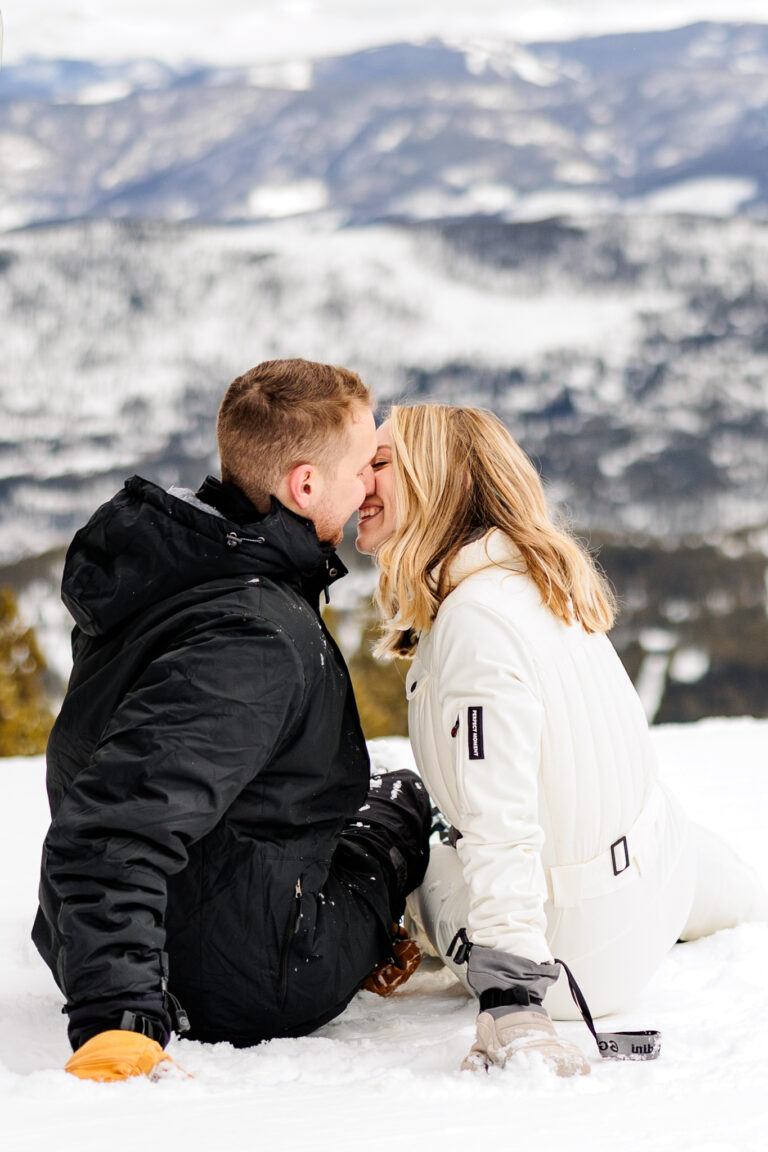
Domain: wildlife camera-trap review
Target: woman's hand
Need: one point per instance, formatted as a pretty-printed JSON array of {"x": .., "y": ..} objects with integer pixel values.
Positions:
[{"x": 502, "y": 1035}]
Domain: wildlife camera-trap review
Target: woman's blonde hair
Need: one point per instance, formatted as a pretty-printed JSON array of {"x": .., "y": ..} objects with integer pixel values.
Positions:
[{"x": 457, "y": 474}]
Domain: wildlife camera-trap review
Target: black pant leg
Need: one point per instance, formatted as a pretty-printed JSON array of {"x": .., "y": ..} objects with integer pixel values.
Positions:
[
  {"x": 336, "y": 935},
  {"x": 393, "y": 827}
]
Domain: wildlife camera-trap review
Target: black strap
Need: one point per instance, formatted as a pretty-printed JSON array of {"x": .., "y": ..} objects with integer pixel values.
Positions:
[
  {"x": 145, "y": 1025},
  {"x": 498, "y": 997},
  {"x": 644, "y": 1045},
  {"x": 464, "y": 948}
]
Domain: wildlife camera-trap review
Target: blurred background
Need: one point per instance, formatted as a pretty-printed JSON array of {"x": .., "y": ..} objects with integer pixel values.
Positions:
[{"x": 555, "y": 210}]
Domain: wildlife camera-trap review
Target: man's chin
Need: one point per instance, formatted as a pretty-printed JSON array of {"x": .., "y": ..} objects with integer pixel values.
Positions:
[{"x": 331, "y": 541}]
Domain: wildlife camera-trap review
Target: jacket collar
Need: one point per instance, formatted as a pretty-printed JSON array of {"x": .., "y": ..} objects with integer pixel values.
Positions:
[
  {"x": 229, "y": 500},
  {"x": 492, "y": 550},
  {"x": 312, "y": 565},
  {"x": 146, "y": 546}
]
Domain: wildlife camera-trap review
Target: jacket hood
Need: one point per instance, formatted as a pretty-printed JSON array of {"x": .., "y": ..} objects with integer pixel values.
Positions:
[
  {"x": 493, "y": 549},
  {"x": 146, "y": 545}
]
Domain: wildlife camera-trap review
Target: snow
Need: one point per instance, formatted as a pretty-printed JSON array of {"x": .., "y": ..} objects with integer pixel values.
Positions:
[
  {"x": 276, "y": 200},
  {"x": 386, "y": 1071},
  {"x": 689, "y": 665},
  {"x": 716, "y": 196},
  {"x": 651, "y": 682},
  {"x": 107, "y": 93},
  {"x": 239, "y": 31}
]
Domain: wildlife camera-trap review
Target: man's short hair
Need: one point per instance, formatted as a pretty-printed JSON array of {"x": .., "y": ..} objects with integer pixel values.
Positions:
[{"x": 283, "y": 413}]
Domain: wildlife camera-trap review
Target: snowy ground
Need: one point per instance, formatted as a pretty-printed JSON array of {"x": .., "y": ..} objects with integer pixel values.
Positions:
[{"x": 385, "y": 1073}]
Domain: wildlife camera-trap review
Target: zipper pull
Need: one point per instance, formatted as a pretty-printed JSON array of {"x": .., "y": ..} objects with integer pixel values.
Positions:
[
  {"x": 178, "y": 1016},
  {"x": 297, "y": 894},
  {"x": 455, "y": 728}
]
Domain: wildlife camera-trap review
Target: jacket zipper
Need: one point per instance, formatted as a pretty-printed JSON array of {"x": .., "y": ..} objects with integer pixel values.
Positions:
[{"x": 291, "y": 929}]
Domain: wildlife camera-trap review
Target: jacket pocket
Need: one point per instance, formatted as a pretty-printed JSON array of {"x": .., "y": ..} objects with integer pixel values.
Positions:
[
  {"x": 467, "y": 745},
  {"x": 291, "y": 928}
]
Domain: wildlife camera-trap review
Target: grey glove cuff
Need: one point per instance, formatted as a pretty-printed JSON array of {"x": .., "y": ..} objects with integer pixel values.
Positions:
[
  {"x": 507, "y": 1009},
  {"x": 489, "y": 971}
]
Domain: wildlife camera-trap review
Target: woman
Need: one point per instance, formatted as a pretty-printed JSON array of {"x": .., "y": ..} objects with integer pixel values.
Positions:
[{"x": 531, "y": 740}]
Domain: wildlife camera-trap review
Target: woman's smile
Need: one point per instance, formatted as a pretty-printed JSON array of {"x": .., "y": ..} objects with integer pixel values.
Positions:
[{"x": 376, "y": 519}]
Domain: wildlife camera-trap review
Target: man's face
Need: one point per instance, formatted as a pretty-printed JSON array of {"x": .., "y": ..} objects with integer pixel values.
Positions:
[{"x": 346, "y": 485}]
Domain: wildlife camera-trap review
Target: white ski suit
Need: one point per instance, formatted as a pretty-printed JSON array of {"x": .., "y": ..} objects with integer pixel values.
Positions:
[{"x": 532, "y": 741}]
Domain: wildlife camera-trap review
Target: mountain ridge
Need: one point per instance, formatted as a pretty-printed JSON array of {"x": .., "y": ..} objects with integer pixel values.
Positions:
[{"x": 414, "y": 131}]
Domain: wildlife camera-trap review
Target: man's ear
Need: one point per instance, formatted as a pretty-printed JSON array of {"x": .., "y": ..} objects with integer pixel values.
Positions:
[{"x": 303, "y": 484}]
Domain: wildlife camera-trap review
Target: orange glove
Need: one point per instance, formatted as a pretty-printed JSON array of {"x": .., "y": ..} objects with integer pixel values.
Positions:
[
  {"x": 387, "y": 978},
  {"x": 118, "y": 1054}
]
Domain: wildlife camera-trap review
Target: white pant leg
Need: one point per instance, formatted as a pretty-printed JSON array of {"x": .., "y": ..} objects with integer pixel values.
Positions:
[
  {"x": 438, "y": 908},
  {"x": 613, "y": 943},
  {"x": 727, "y": 892}
]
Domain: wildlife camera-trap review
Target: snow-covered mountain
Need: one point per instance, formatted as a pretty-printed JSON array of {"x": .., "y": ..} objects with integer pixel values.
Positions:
[
  {"x": 629, "y": 355},
  {"x": 636, "y": 121},
  {"x": 626, "y": 345}
]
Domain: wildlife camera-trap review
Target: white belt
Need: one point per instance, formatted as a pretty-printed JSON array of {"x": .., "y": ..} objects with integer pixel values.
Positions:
[{"x": 619, "y": 865}]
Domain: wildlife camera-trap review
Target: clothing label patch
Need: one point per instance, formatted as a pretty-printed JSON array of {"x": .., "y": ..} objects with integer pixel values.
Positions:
[{"x": 475, "y": 733}]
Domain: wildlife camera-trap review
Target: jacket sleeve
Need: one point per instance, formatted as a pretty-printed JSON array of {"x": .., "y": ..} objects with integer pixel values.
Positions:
[
  {"x": 191, "y": 734},
  {"x": 491, "y": 706}
]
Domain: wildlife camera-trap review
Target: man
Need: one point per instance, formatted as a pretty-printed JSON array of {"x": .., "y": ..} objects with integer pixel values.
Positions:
[{"x": 207, "y": 767}]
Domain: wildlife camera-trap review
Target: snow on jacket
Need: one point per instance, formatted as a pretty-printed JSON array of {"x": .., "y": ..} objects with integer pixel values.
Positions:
[
  {"x": 205, "y": 759},
  {"x": 531, "y": 739}
]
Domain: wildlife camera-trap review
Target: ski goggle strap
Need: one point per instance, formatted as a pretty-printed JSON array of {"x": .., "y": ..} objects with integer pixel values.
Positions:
[{"x": 614, "y": 1045}]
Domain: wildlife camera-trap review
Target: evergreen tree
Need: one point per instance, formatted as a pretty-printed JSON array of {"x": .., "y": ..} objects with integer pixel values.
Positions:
[
  {"x": 25, "y": 718},
  {"x": 379, "y": 688}
]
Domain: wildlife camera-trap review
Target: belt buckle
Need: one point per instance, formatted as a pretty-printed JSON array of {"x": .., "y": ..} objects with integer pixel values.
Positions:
[{"x": 620, "y": 843}]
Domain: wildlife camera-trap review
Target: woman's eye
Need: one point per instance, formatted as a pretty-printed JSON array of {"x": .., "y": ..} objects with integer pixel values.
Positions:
[{"x": 379, "y": 464}]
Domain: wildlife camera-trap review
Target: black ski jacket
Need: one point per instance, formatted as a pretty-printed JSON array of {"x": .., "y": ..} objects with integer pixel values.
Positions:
[{"x": 205, "y": 759}]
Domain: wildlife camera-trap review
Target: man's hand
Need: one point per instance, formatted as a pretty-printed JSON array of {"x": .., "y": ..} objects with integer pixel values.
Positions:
[
  {"x": 116, "y": 1055},
  {"x": 498, "y": 1039},
  {"x": 387, "y": 978}
]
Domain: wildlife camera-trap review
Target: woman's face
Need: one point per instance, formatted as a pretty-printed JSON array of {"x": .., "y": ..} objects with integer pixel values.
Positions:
[{"x": 376, "y": 515}]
